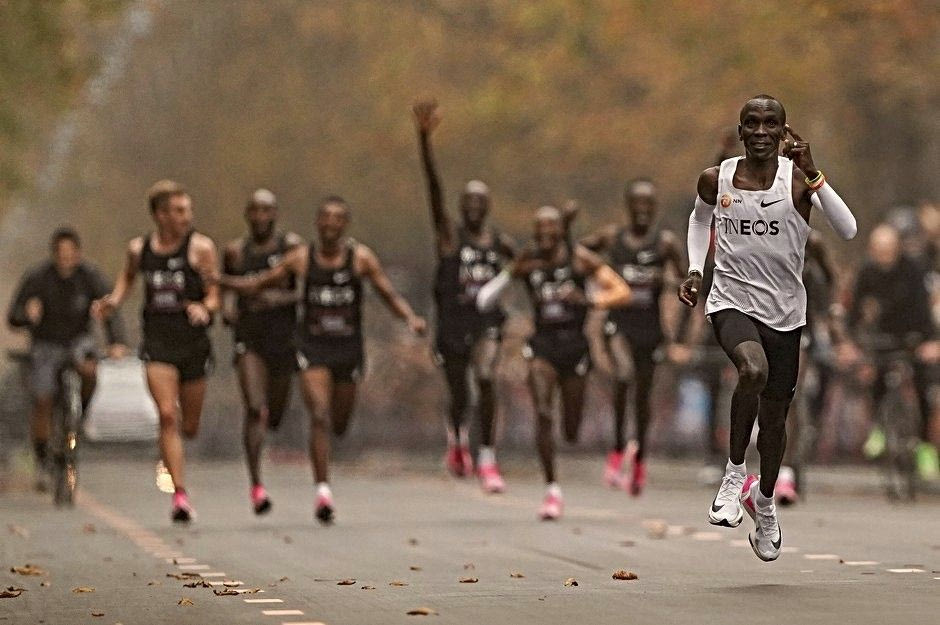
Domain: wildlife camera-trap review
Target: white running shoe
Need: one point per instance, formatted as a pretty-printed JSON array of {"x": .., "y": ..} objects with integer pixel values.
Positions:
[
  {"x": 726, "y": 508},
  {"x": 766, "y": 538}
]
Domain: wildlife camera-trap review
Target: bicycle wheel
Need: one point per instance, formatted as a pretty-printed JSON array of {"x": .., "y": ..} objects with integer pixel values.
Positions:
[{"x": 67, "y": 416}]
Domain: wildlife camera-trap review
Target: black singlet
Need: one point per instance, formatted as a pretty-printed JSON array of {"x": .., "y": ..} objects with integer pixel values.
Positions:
[
  {"x": 332, "y": 304},
  {"x": 171, "y": 283},
  {"x": 256, "y": 323}
]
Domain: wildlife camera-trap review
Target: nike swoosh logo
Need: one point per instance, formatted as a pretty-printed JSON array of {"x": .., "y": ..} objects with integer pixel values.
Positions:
[
  {"x": 765, "y": 205},
  {"x": 778, "y": 541},
  {"x": 716, "y": 508}
]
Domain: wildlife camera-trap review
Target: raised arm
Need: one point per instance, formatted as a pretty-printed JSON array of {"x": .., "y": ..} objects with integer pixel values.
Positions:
[
  {"x": 113, "y": 325},
  {"x": 370, "y": 268},
  {"x": 612, "y": 291},
  {"x": 427, "y": 118}
]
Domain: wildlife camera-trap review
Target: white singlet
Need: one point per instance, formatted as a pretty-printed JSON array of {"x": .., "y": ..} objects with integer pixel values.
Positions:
[{"x": 760, "y": 242}]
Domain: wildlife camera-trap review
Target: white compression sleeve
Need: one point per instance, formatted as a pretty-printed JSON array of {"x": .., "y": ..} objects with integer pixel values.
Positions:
[
  {"x": 700, "y": 225},
  {"x": 837, "y": 213},
  {"x": 490, "y": 292}
]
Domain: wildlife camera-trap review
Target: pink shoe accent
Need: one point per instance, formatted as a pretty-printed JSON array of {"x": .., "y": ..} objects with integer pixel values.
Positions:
[
  {"x": 490, "y": 478},
  {"x": 258, "y": 494},
  {"x": 466, "y": 460},
  {"x": 747, "y": 497},
  {"x": 785, "y": 491},
  {"x": 612, "y": 469},
  {"x": 324, "y": 509},
  {"x": 637, "y": 477},
  {"x": 453, "y": 460},
  {"x": 552, "y": 507},
  {"x": 182, "y": 509}
]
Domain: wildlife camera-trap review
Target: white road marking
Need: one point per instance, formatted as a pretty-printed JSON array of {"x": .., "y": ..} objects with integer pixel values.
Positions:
[
  {"x": 214, "y": 574},
  {"x": 263, "y": 600},
  {"x": 821, "y": 556},
  {"x": 905, "y": 570},
  {"x": 790, "y": 549},
  {"x": 740, "y": 543},
  {"x": 180, "y": 560},
  {"x": 860, "y": 563},
  {"x": 282, "y": 612},
  {"x": 194, "y": 567},
  {"x": 706, "y": 536},
  {"x": 233, "y": 582}
]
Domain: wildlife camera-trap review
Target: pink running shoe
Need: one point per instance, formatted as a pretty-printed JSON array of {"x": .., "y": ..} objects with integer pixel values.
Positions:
[
  {"x": 637, "y": 477},
  {"x": 453, "y": 460},
  {"x": 785, "y": 488},
  {"x": 466, "y": 460},
  {"x": 552, "y": 507},
  {"x": 324, "y": 509},
  {"x": 612, "y": 469},
  {"x": 182, "y": 510},
  {"x": 260, "y": 500},
  {"x": 747, "y": 499},
  {"x": 490, "y": 478}
]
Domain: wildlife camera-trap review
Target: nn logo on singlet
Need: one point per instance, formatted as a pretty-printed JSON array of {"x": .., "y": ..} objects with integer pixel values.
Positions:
[{"x": 748, "y": 227}]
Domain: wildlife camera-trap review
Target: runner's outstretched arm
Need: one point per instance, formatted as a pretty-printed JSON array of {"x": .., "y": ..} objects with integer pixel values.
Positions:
[
  {"x": 612, "y": 291},
  {"x": 103, "y": 308},
  {"x": 372, "y": 269},
  {"x": 427, "y": 117},
  {"x": 294, "y": 263}
]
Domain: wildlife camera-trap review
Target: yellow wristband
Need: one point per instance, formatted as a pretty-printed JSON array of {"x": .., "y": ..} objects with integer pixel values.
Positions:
[{"x": 817, "y": 181}]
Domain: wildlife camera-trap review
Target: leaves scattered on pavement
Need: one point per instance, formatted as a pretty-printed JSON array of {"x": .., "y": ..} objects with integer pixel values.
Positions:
[
  {"x": 27, "y": 569},
  {"x": 185, "y": 601},
  {"x": 397, "y": 583},
  {"x": 81, "y": 589},
  {"x": 346, "y": 582},
  {"x": 469, "y": 580},
  {"x": 11, "y": 592},
  {"x": 516, "y": 575},
  {"x": 571, "y": 582},
  {"x": 414, "y": 567},
  {"x": 184, "y": 575},
  {"x": 201, "y": 583},
  {"x": 625, "y": 575},
  {"x": 367, "y": 588},
  {"x": 219, "y": 592},
  {"x": 97, "y": 613},
  {"x": 18, "y": 530},
  {"x": 45, "y": 584},
  {"x": 422, "y": 612}
]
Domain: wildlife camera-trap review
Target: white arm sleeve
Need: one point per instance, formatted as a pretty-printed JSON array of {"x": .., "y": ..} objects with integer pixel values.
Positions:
[
  {"x": 700, "y": 224},
  {"x": 837, "y": 213},
  {"x": 490, "y": 292}
]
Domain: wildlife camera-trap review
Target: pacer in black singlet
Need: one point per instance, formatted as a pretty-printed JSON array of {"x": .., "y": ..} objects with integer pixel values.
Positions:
[
  {"x": 643, "y": 255},
  {"x": 555, "y": 273},
  {"x": 467, "y": 342},
  {"x": 264, "y": 324},
  {"x": 178, "y": 307},
  {"x": 329, "y": 338}
]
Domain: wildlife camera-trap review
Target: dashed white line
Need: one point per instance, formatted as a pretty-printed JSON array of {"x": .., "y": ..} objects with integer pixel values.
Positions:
[
  {"x": 707, "y": 536},
  {"x": 282, "y": 612},
  {"x": 194, "y": 567},
  {"x": 263, "y": 600},
  {"x": 214, "y": 574},
  {"x": 905, "y": 570},
  {"x": 860, "y": 563},
  {"x": 180, "y": 560},
  {"x": 821, "y": 556},
  {"x": 302, "y": 623}
]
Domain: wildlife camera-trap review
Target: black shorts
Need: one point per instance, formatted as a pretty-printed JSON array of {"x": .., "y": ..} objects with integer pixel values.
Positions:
[
  {"x": 451, "y": 347},
  {"x": 568, "y": 352},
  {"x": 346, "y": 363},
  {"x": 193, "y": 360},
  {"x": 279, "y": 360},
  {"x": 782, "y": 348},
  {"x": 642, "y": 328}
]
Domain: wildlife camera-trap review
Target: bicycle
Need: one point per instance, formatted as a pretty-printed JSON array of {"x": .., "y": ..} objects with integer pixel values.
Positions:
[{"x": 66, "y": 427}]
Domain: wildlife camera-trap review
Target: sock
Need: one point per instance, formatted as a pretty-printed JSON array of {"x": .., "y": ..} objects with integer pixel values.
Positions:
[
  {"x": 731, "y": 467},
  {"x": 553, "y": 489},
  {"x": 179, "y": 490},
  {"x": 486, "y": 455},
  {"x": 763, "y": 501},
  {"x": 323, "y": 489},
  {"x": 451, "y": 438}
]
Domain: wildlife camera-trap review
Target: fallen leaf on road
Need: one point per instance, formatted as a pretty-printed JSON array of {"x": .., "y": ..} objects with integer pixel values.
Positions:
[
  {"x": 186, "y": 575},
  {"x": 17, "y": 530},
  {"x": 97, "y": 613},
  {"x": 413, "y": 542},
  {"x": 219, "y": 592},
  {"x": 45, "y": 584},
  {"x": 422, "y": 612},
  {"x": 367, "y": 588},
  {"x": 89, "y": 528},
  {"x": 516, "y": 575},
  {"x": 27, "y": 569},
  {"x": 397, "y": 583},
  {"x": 10, "y": 594},
  {"x": 625, "y": 575},
  {"x": 153, "y": 582},
  {"x": 571, "y": 582},
  {"x": 197, "y": 584},
  {"x": 414, "y": 568},
  {"x": 185, "y": 601},
  {"x": 656, "y": 528},
  {"x": 248, "y": 591},
  {"x": 81, "y": 589},
  {"x": 346, "y": 582},
  {"x": 469, "y": 580}
]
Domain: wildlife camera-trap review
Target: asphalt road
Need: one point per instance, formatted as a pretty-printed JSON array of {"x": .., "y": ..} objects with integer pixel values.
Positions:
[{"x": 407, "y": 535}]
